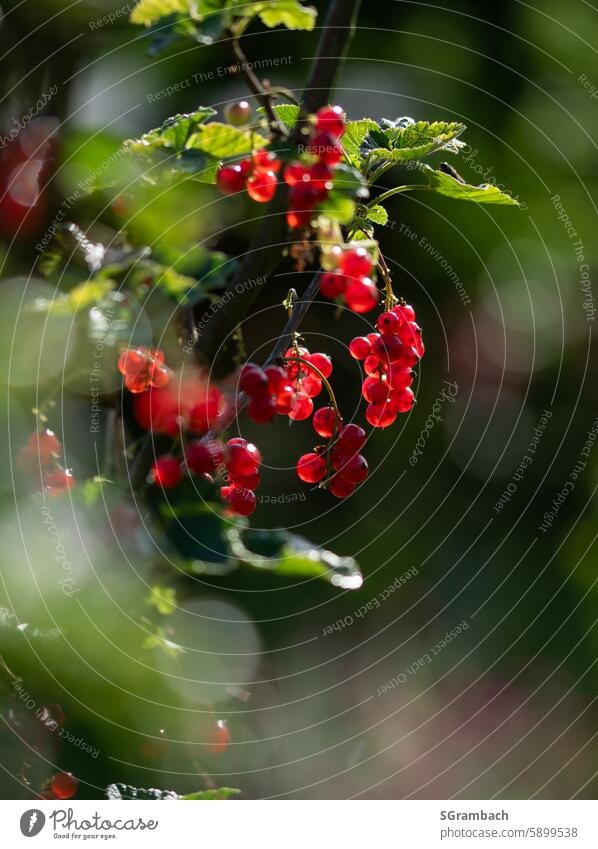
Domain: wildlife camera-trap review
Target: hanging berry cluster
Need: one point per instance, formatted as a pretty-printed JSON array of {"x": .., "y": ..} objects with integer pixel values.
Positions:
[
  {"x": 42, "y": 453},
  {"x": 143, "y": 367},
  {"x": 349, "y": 281},
  {"x": 257, "y": 175}
]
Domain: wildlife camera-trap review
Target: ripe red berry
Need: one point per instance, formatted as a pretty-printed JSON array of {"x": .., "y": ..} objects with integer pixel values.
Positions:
[
  {"x": 389, "y": 349},
  {"x": 301, "y": 407},
  {"x": 311, "y": 385},
  {"x": 332, "y": 285},
  {"x": 253, "y": 380},
  {"x": 158, "y": 375},
  {"x": 60, "y": 480},
  {"x": 388, "y": 322},
  {"x": 405, "y": 312},
  {"x": 401, "y": 400},
  {"x": 322, "y": 362},
  {"x": 360, "y": 347},
  {"x": 134, "y": 361},
  {"x": 284, "y": 400},
  {"x": 380, "y": 415},
  {"x": 355, "y": 263},
  {"x": 374, "y": 366},
  {"x": 331, "y": 119},
  {"x": 311, "y": 468},
  {"x": 266, "y": 160},
  {"x": 218, "y": 739},
  {"x": 239, "y": 500},
  {"x": 238, "y": 114},
  {"x": 320, "y": 181},
  {"x": 326, "y": 422},
  {"x": 326, "y": 147},
  {"x": 277, "y": 379},
  {"x": 241, "y": 459},
  {"x": 230, "y": 179},
  {"x": 351, "y": 439},
  {"x": 248, "y": 481},
  {"x": 399, "y": 377},
  {"x": 261, "y": 186},
  {"x": 355, "y": 470},
  {"x": 295, "y": 173},
  {"x": 261, "y": 410},
  {"x": 204, "y": 457},
  {"x": 375, "y": 389},
  {"x": 166, "y": 471},
  {"x": 64, "y": 785},
  {"x": 361, "y": 295},
  {"x": 340, "y": 487},
  {"x": 44, "y": 446}
]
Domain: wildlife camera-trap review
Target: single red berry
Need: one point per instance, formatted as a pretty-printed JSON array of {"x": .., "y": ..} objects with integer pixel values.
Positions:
[
  {"x": 137, "y": 383},
  {"x": 277, "y": 379},
  {"x": 405, "y": 312},
  {"x": 133, "y": 361},
  {"x": 45, "y": 445},
  {"x": 311, "y": 468},
  {"x": 361, "y": 295},
  {"x": 332, "y": 285},
  {"x": 380, "y": 415},
  {"x": 246, "y": 166},
  {"x": 356, "y": 263},
  {"x": 230, "y": 180},
  {"x": 389, "y": 349},
  {"x": 64, "y": 785},
  {"x": 374, "y": 366},
  {"x": 248, "y": 481},
  {"x": 240, "y": 500},
  {"x": 355, "y": 470},
  {"x": 311, "y": 385},
  {"x": 301, "y": 407},
  {"x": 261, "y": 186},
  {"x": 326, "y": 147},
  {"x": 284, "y": 400},
  {"x": 204, "y": 457},
  {"x": 241, "y": 459},
  {"x": 253, "y": 380},
  {"x": 218, "y": 738},
  {"x": 261, "y": 410},
  {"x": 388, "y": 322},
  {"x": 205, "y": 410},
  {"x": 322, "y": 362},
  {"x": 360, "y": 347},
  {"x": 401, "y": 400},
  {"x": 351, "y": 439},
  {"x": 399, "y": 377},
  {"x": 295, "y": 173},
  {"x": 330, "y": 119},
  {"x": 59, "y": 481},
  {"x": 158, "y": 375},
  {"x": 340, "y": 487},
  {"x": 326, "y": 422},
  {"x": 166, "y": 471},
  {"x": 375, "y": 389},
  {"x": 238, "y": 114},
  {"x": 266, "y": 160}
]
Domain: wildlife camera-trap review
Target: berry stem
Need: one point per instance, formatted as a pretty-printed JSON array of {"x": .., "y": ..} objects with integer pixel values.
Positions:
[
  {"x": 325, "y": 381},
  {"x": 396, "y": 191},
  {"x": 256, "y": 86}
]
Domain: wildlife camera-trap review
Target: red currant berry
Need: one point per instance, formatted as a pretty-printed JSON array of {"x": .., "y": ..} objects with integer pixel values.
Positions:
[
  {"x": 351, "y": 439},
  {"x": 230, "y": 179},
  {"x": 355, "y": 470},
  {"x": 301, "y": 407},
  {"x": 295, "y": 173},
  {"x": 388, "y": 322},
  {"x": 158, "y": 375},
  {"x": 205, "y": 412},
  {"x": 284, "y": 400},
  {"x": 399, "y": 377},
  {"x": 238, "y": 114},
  {"x": 326, "y": 422},
  {"x": 266, "y": 160},
  {"x": 374, "y": 366},
  {"x": 311, "y": 385},
  {"x": 332, "y": 285},
  {"x": 331, "y": 119},
  {"x": 133, "y": 361},
  {"x": 204, "y": 457},
  {"x": 320, "y": 180},
  {"x": 389, "y": 349},
  {"x": 261, "y": 410},
  {"x": 137, "y": 383},
  {"x": 248, "y": 481},
  {"x": 166, "y": 471},
  {"x": 64, "y": 785},
  {"x": 356, "y": 263},
  {"x": 59, "y": 481},
  {"x": 219, "y": 738},
  {"x": 360, "y": 347},
  {"x": 311, "y": 468},
  {"x": 277, "y": 379},
  {"x": 402, "y": 400},
  {"x": 405, "y": 312},
  {"x": 253, "y": 380},
  {"x": 261, "y": 186},
  {"x": 375, "y": 389},
  {"x": 326, "y": 148},
  {"x": 241, "y": 459},
  {"x": 361, "y": 295},
  {"x": 322, "y": 362},
  {"x": 339, "y": 487},
  {"x": 45, "y": 445},
  {"x": 380, "y": 415},
  {"x": 239, "y": 499}
]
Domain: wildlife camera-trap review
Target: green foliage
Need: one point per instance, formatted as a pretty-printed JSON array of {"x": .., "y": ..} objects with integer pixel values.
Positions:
[
  {"x": 354, "y": 137},
  {"x": 447, "y": 185},
  {"x": 406, "y": 140},
  {"x": 289, "y": 13},
  {"x": 223, "y": 141},
  {"x": 120, "y": 792},
  {"x": 163, "y": 599}
]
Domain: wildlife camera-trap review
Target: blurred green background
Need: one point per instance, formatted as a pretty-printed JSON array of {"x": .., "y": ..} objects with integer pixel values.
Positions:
[{"x": 505, "y": 297}]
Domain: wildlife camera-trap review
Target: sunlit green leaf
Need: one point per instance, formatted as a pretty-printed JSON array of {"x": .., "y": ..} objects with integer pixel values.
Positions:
[
  {"x": 289, "y": 13},
  {"x": 163, "y": 599},
  {"x": 411, "y": 141},
  {"x": 222, "y": 140},
  {"x": 446, "y": 185}
]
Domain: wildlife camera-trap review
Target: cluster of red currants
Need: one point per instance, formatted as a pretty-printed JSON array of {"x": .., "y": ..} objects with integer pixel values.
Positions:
[
  {"x": 257, "y": 175},
  {"x": 63, "y": 785},
  {"x": 187, "y": 403},
  {"x": 339, "y": 463},
  {"x": 237, "y": 462},
  {"x": 286, "y": 391},
  {"x": 143, "y": 367},
  {"x": 42, "y": 453},
  {"x": 310, "y": 183},
  {"x": 388, "y": 359},
  {"x": 348, "y": 279}
]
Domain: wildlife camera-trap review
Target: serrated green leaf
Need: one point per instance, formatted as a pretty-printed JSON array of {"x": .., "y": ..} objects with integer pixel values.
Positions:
[
  {"x": 148, "y": 12},
  {"x": 289, "y": 13},
  {"x": 446, "y": 185},
  {"x": 223, "y": 141},
  {"x": 411, "y": 142},
  {"x": 118, "y": 792},
  {"x": 82, "y": 296},
  {"x": 285, "y": 112},
  {"x": 210, "y": 795},
  {"x": 173, "y": 134},
  {"x": 353, "y": 137},
  {"x": 377, "y": 214}
]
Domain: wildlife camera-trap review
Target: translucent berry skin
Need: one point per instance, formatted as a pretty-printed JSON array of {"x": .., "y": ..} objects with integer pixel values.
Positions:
[
  {"x": 356, "y": 263},
  {"x": 230, "y": 179},
  {"x": 322, "y": 362},
  {"x": 301, "y": 407},
  {"x": 351, "y": 438},
  {"x": 240, "y": 500},
  {"x": 332, "y": 285},
  {"x": 166, "y": 471},
  {"x": 248, "y": 481},
  {"x": 360, "y": 347},
  {"x": 60, "y": 480},
  {"x": 380, "y": 415},
  {"x": 132, "y": 361},
  {"x": 361, "y": 295},
  {"x": 375, "y": 389},
  {"x": 204, "y": 457},
  {"x": 339, "y": 487},
  {"x": 326, "y": 147},
  {"x": 284, "y": 400},
  {"x": 331, "y": 119},
  {"x": 253, "y": 380},
  {"x": 311, "y": 385},
  {"x": 388, "y": 322},
  {"x": 64, "y": 785},
  {"x": 219, "y": 738},
  {"x": 399, "y": 377},
  {"x": 266, "y": 160},
  {"x": 402, "y": 400},
  {"x": 261, "y": 410},
  {"x": 158, "y": 375},
  {"x": 241, "y": 459},
  {"x": 374, "y": 366},
  {"x": 326, "y": 422},
  {"x": 238, "y": 114},
  {"x": 261, "y": 186},
  {"x": 311, "y": 468},
  {"x": 389, "y": 349},
  {"x": 277, "y": 379},
  {"x": 405, "y": 312},
  {"x": 355, "y": 470}
]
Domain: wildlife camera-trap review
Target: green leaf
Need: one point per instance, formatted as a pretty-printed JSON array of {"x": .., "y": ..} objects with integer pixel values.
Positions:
[
  {"x": 446, "y": 185},
  {"x": 407, "y": 142},
  {"x": 82, "y": 296},
  {"x": 148, "y": 12},
  {"x": 285, "y": 112},
  {"x": 119, "y": 792},
  {"x": 173, "y": 134},
  {"x": 209, "y": 795},
  {"x": 353, "y": 137},
  {"x": 293, "y": 556},
  {"x": 163, "y": 599},
  {"x": 377, "y": 215},
  {"x": 223, "y": 141},
  {"x": 289, "y": 13},
  {"x": 179, "y": 286},
  {"x": 338, "y": 206}
]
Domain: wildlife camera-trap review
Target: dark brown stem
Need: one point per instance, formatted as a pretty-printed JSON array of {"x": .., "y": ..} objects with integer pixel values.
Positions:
[
  {"x": 264, "y": 253},
  {"x": 256, "y": 87}
]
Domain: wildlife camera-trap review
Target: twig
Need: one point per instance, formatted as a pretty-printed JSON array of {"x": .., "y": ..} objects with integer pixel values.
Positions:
[{"x": 255, "y": 86}]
